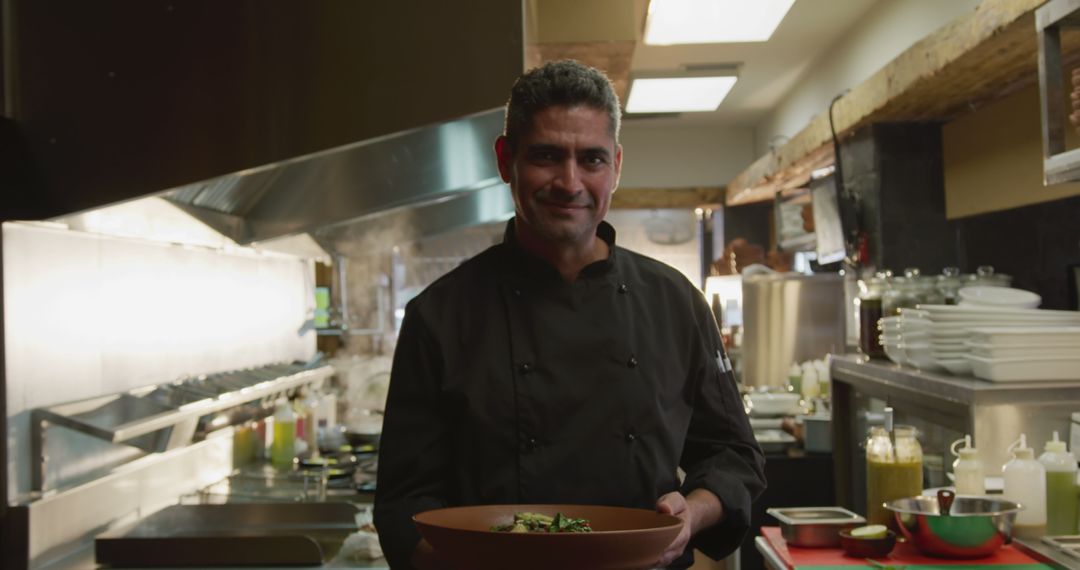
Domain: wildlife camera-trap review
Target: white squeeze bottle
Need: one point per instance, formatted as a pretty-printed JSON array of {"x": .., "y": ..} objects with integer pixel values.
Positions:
[
  {"x": 1061, "y": 490},
  {"x": 968, "y": 469},
  {"x": 1025, "y": 483}
]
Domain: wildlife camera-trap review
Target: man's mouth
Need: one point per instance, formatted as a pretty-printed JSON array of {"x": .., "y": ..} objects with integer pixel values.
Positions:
[{"x": 563, "y": 207}]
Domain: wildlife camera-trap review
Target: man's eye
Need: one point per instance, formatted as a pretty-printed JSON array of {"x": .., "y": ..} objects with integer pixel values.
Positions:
[{"x": 594, "y": 160}]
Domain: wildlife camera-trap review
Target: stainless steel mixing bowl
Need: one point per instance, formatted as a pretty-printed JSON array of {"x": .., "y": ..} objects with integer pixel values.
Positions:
[{"x": 972, "y": 527}]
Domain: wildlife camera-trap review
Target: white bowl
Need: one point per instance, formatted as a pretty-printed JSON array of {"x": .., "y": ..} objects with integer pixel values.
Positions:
[
  {"x": 999, "y": 297},
  {"x": 920, "y": 356},
  {"x": 895, "y": 353}
]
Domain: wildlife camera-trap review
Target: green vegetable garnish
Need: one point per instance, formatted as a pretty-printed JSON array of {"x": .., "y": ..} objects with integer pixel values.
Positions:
[{"x": 536, "y": 522}]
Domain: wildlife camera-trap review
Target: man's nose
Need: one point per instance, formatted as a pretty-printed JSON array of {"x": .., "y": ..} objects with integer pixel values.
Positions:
[{"x": 568, "y": 177}]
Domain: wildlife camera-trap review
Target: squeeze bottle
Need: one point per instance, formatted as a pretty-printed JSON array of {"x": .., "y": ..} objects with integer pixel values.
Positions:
[
  {"x": 1061, "y": 490},
  {"x": 968, "y": 469},
  {"x": 283, "y": 447},
  {"x": 811, "y": 388},
  {"x": 1025, "y": 483}
]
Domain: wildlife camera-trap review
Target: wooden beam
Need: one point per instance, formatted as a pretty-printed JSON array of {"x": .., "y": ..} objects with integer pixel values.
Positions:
[
  {"x": 795, "y": 176},
  {"x": 660, "y": 198},
  {"x": 975, "y": 59}
]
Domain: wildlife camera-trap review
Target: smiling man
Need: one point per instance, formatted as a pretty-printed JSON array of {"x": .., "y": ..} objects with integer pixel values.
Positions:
[{"x": 557, "y": 367}]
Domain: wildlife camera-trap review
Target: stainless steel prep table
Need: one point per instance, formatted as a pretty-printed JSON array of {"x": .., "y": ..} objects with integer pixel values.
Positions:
[{"x": 994, "y": 413}]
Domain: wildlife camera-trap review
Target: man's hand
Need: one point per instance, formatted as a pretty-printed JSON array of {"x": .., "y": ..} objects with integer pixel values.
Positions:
[
  {"x": 425, "y": 558},
  {"x": 698, "y": 511}
]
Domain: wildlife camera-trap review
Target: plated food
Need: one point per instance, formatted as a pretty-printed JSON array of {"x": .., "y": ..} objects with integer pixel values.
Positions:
[
  {"x": 619, "y": 538},
  {"x": 536, "y": 522}
]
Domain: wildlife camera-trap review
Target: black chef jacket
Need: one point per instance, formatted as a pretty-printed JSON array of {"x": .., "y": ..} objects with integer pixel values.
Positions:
[{"x": 510, "y": 385}]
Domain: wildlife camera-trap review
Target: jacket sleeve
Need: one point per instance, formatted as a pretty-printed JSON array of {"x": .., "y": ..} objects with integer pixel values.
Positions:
[
  {"x": 413, "y": 457},
  {"x": 721, "y": 454}
]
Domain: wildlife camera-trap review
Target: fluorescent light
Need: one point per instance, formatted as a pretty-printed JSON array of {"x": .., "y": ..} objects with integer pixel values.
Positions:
[
  {"x": 713, "y": 21},
  {"x": 677, "y": 94}
]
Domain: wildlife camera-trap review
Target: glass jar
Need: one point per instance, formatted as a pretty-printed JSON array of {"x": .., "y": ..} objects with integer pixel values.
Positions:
[
  {"x": 868, "y": 304},
  {"x": 927, "y": 293},
  {"x": 986, "y": 277},
  {"x": 949, "y": 284},
  {"x": 901, "y": 293},
  {"x": 893, "y": 471}
]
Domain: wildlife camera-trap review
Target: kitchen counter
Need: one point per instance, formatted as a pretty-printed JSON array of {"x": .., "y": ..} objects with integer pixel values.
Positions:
[
  {"x": 1043, "y": 557},
  {"x": 259, "y": 483}
]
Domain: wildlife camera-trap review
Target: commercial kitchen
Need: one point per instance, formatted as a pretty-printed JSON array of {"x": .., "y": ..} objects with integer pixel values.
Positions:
[{"x": 215, "y": 213}]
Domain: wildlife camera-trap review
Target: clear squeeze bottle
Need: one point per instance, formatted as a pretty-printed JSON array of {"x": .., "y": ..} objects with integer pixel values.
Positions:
[
  {"x": 968, "y": 469},
  {"x": 1061, "y": 492},
  {"x": 1025, "y": 483}
]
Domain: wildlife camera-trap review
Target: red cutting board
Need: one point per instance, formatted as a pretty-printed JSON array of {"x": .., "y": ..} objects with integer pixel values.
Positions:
[{"x": 903, "y": 555}]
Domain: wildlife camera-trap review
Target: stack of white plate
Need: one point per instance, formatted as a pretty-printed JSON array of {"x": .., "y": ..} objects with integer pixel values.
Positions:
[
  {"x": 906, "y": 339},
  {"x": 951, "y": 327},
  {"x": 1025, "y": 353}
]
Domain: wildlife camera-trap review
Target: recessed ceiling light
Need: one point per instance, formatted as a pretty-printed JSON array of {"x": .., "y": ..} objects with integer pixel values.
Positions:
[
  {"x": 713, "y": 21},
  {"x": 677, "y": 94}
]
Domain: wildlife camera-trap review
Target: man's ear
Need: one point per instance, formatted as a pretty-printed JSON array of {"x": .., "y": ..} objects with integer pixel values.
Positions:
[
  {"x": 504, "y": 157},
  {"x": 618, "y": 166}
]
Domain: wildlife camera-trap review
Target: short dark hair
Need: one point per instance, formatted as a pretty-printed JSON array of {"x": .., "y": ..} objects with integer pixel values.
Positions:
[{"x": 559, "y": 83}]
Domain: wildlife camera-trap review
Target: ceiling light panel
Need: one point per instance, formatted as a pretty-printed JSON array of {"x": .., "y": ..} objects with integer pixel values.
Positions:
[
  {"x": 713, "y": 21},
  {"x": 677, "y": 94}
]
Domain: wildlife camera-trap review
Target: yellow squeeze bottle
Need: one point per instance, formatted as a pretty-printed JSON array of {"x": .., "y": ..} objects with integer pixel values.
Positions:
[{"x": 283, "y": 447}]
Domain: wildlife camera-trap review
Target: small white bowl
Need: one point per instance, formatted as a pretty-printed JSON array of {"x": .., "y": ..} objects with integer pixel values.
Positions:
[{"x": 999, "y": 297}]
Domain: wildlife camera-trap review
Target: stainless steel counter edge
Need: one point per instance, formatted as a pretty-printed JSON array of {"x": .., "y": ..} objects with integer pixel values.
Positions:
[
  {"x": 772, "y": 559},
  {"x": 966, "y": 390}
]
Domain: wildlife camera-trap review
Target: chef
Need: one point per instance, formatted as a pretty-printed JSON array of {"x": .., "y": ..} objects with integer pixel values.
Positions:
[{"x": 558, "y": 367}]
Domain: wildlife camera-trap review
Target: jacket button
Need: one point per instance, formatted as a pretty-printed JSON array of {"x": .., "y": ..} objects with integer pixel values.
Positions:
[
  {"x": 623, "y": 288},
  {"x": 530, "y": 443},
  {"x": 630, "y": 437},
  {"x": 517, "y": 292},
  {"x": 632, "y": 363},
  {"x": 525, "y": 368}
]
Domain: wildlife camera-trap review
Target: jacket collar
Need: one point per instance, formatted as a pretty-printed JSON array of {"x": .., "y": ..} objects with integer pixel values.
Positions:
[{"x": 529, "y": 263}]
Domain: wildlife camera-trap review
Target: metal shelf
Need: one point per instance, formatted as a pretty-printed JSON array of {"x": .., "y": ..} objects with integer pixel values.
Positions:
[{"x": 159, "y": 418}]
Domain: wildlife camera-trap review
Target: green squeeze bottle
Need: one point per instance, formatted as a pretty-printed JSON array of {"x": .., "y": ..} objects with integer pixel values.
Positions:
[{"x": 1062, "y": 498}]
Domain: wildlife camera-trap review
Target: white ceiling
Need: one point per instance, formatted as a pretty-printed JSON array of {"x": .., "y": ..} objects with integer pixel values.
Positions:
[{"x": 769, "y": 71}]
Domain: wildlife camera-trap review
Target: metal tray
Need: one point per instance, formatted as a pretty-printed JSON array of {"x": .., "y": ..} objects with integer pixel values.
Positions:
[
  {"x": 1068, "y": 544},
  {"x": 233, "y": 534},
  {"x": 814, "y": 526}
]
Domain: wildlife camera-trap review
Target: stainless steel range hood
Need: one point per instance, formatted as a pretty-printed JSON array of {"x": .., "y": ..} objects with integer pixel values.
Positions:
[
  {"x": 372, "y": 181},
  {"x": 262, "y": 119}
]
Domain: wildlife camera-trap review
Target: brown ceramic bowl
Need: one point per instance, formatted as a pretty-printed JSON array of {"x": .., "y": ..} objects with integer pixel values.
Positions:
[
  {"x": 867, "y": 547},
  {"x": 622, "y": 538}
]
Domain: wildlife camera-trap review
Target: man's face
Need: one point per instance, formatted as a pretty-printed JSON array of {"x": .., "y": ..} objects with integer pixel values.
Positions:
[{"x": 562, "y": 173}]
